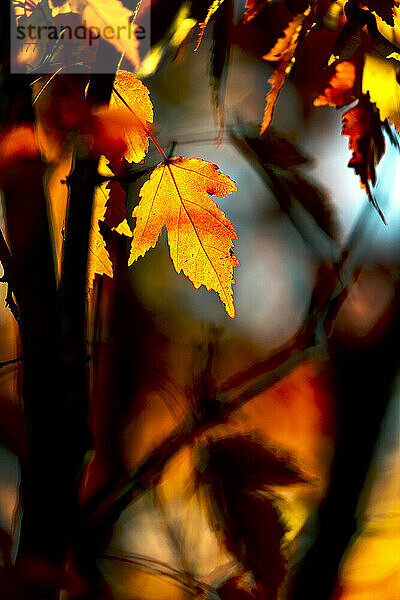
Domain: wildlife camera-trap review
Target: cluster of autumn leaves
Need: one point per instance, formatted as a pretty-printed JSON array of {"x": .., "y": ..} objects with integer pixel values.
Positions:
[
  {"x": 364, "y": 61},
  {"x": 365, "y": 58},
  {"x": 176, "y": 196}
]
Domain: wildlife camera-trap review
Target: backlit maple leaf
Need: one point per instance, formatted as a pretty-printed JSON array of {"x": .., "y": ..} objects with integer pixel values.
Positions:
[
  {"x": 242, "y": 509},
  {"x": 199, "y": 234}
]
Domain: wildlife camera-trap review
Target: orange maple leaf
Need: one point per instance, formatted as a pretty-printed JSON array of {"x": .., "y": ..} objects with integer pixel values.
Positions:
[
  {"x": 283, "y": 53},
  {"x": 199, "y": 234}
]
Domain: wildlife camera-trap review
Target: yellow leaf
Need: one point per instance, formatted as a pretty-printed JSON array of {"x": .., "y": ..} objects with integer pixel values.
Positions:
[
  {"x": 379, "y": 79},
  {"x": 199, "y": 234},
  {"x": 132, "y": 96},
  {"x": 99, "y": 262}
]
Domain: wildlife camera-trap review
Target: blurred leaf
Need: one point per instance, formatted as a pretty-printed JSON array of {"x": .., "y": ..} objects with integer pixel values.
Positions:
[
  {"x": 274, "y": 149},
  {"x": 247, "y": 463},
  {"x": 278, "y": 159},
  {"x": 249, "y": 522},
  {"x": 315, "y": 202},
  {"x": 171, "y": 34}
]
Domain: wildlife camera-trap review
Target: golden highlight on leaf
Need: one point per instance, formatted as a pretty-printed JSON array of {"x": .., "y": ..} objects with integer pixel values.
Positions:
[
  {"x": 99, "y": 262},
  {"x": 132, "y": 96},
  {"x": 286, "y": 44},
  {"x": 199, "y": 234},
  {"x": 123, "y": 229},
  {"x": 283, "y": 53},
  {"x": 379, "y": 79},
  {"x": 211, "y": 10}
]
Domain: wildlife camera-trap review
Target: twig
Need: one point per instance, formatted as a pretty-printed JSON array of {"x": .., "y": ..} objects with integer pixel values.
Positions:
[{"x": 12, "y": 361}]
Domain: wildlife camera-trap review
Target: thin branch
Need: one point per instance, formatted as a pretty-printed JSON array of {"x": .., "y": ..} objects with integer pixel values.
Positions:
[{"x": 12, "y": 361}]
